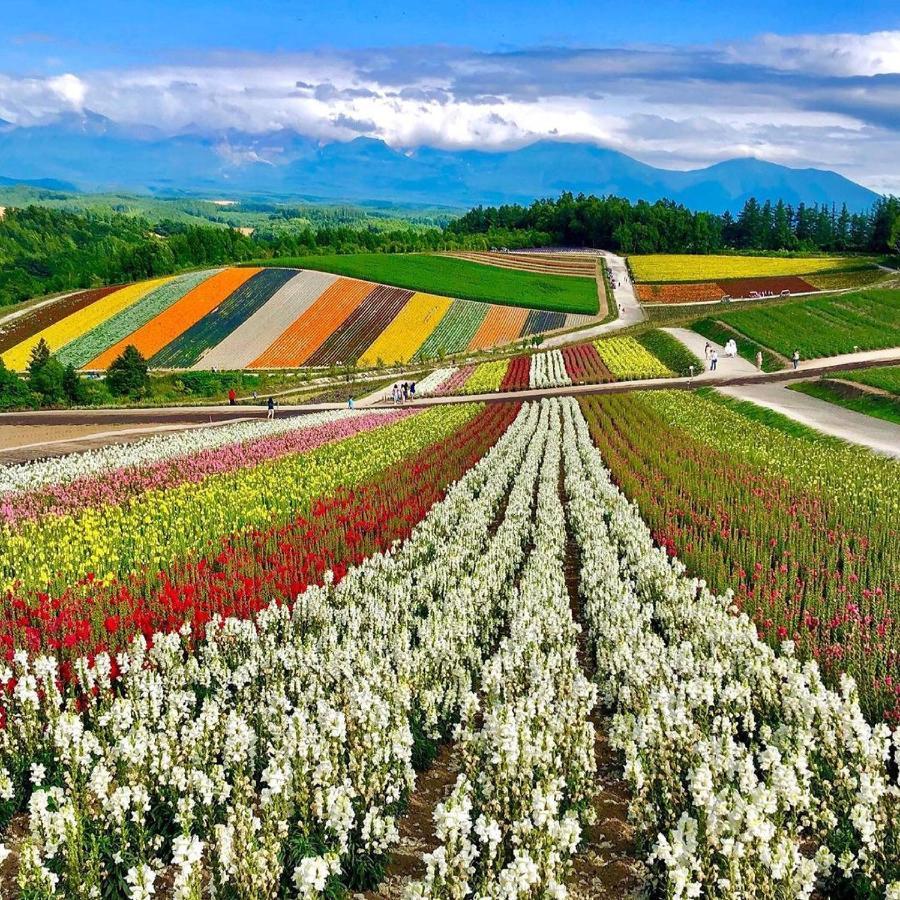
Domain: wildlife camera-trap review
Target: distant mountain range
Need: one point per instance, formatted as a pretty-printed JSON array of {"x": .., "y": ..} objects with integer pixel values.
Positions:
[{"x": 92, "y": 153}]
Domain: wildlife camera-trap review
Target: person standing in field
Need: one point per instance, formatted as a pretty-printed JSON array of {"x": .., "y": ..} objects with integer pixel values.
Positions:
[
  {"x": 713, "y": 361},
  {"x": 232, "y": 397},
  {"x": 759, "y": 360},
  {"x": 271, "y": 408},
  {"x": 795, "y": 359}
]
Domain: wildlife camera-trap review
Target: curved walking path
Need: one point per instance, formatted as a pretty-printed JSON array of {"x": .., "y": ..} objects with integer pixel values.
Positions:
[
  {"x": 736, "y": 379},
  {"x": 878, "y": 434},
  {"x": 630, "y": 311}
]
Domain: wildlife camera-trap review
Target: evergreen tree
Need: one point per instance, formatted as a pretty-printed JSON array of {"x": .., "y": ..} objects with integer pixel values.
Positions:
[{"x": 128, "y": 375}]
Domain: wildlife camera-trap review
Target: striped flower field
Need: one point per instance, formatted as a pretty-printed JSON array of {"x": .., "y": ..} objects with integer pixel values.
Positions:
[{"x": 268, "y": 318}]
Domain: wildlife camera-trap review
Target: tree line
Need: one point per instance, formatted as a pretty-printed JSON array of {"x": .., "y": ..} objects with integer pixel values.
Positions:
[
  {"x": 44, "y": 251},
  {"x": 615, "y": 223}
]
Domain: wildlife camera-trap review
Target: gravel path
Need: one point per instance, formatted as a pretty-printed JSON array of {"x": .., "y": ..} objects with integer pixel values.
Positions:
[
  {"x": 877, "y": 434},
  {"x": 630, "y": 311}
]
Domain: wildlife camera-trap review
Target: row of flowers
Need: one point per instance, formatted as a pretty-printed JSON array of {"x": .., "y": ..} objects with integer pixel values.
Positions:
[
  {"x": 433, "y": 382},
  {"x": 119, "y": 485},
  {"x": 149, "y": 451},
  {"x": 548, "y": 370},
  {"x": 803, "y": 531},
  {"x": 158, "y": 526},
  {"x": 275, "y": 753},
  {"x": 749, "y": 776},
  {"x": 514, "y": 817},
  {"x": 244, "y": 572}
]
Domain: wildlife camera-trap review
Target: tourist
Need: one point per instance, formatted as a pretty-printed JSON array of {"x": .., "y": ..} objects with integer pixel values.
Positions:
[
  {"x": 759, "y": 360},
  {"x": 271, "y": 408},
  {"x": 412, "y": 390},
  {"x": 405, "y": 390},
  {"x": 232, "y": 397},
  {"x": 713, "y": 361},
  {"x": 795, "y": 359},
  {"x": 349, "y": 402},
  {"x": 707, "y": 350}
]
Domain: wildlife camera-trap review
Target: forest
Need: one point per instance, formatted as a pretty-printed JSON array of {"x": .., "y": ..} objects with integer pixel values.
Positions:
[
  {"x": 45, "y": 250},
  {"x": 614, "y": 223}
]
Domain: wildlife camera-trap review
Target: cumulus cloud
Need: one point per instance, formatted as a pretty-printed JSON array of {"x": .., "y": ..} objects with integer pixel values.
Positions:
[{"x": 823, "y": 100}]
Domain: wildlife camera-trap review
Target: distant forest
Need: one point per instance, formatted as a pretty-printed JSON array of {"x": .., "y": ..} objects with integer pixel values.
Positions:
[
  {"x": 45, "y": 250},
  {"x": 666, "y": 227}
]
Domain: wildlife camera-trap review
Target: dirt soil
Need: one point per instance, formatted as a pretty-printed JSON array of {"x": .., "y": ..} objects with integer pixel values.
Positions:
[{"x": 22, "y": 443}]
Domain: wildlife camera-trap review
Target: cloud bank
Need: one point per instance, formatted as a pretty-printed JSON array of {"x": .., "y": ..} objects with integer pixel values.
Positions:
[{"x": 830, "y": 101}]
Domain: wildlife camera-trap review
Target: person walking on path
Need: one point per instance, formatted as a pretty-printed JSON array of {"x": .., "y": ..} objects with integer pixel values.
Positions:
[
  {"x": 795, "y": 359},
  {"x": 412, "y": 390},
  {"x": 271, "y": 408},
  {"x": 759, "y": 360},
  {"x": 713, "y": 361},
  {"x": 707, "y": 350},
  {"x": 349, "y": 402},
  {"x": 232, "y": 397}
]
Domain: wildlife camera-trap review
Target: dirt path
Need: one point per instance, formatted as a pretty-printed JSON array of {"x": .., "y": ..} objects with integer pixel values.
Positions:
[
  {"x": 606, "y": 865},
  {"x": 416, "y": 827},
  {"x": 629, "y": 309}
]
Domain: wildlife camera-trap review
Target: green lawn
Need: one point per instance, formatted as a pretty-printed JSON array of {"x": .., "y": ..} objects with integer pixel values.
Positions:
[
  {"x": 885, "y": 378},
  {"x": 822, "y": 326},
  {"x": 670, "y": 351},
  {"x": 880, "y": 407},
  {"x": 459, "y": 278}
]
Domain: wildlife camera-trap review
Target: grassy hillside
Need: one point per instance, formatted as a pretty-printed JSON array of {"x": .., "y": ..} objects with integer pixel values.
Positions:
[
  {"x": 823, "y": 326},
  {"x": 458, "y": 278}
]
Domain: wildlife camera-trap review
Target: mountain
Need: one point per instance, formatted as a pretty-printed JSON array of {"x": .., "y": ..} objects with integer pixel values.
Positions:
[
  {"x": 47, "y": 184},
  {"x": 94, "y": 153}
]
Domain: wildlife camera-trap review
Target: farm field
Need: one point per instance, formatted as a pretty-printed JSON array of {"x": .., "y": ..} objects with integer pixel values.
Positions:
[
  {"x": 820, "y": 326},
  {"x": 385, "y": 584},
  {"x": 267, "y": 318},
  {"x": 673, "y": 293},
  {"x": 461, "y": 278},
  {"x": 584, "y": 265},
  {"x": 665, "y": 267}
]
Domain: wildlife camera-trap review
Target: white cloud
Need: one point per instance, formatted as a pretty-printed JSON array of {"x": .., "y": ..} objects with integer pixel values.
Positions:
[{"x": 824, "y": 100}]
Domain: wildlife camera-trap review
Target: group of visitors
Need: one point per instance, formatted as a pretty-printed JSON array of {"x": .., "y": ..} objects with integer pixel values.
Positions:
[
  {"x": 730, "y": 349},
  {"x": 403, "y": 391}
]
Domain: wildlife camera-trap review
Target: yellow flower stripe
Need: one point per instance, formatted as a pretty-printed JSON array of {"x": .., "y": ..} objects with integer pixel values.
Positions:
[
  {"x": 74, "y": 326},
  {"x": 409, "y": 330},
  {"x": 159, "y": 526},
  {"x": 628, "y": 360},
  {"x": 685, "y": 267},
  {"x": 486, "y": 378}
]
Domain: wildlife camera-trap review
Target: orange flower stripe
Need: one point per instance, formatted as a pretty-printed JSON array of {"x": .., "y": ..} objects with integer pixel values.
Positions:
[
  {"x": 164, "y": 328},
  {"x": 501, "y": 325},
  {"x": 300, "y": 340}
]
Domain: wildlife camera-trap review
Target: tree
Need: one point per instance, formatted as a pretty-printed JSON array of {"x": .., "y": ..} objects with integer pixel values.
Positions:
[
  {"x": 40, "y": 356},
  {"x": 47, "y": 380},
  {"x": 73, "y": 386},
  {"x": 14, "y": 392},
  {"x": 128, "y": 375}
]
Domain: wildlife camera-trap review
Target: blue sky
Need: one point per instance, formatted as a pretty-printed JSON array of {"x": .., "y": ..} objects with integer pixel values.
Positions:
[
  {"x": 673, "y": 83},
  {"x": 103, "y": 31}
]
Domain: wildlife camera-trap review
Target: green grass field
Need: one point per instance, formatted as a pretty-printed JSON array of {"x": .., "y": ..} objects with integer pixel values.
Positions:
[
  {"x": 823, "y": 326},
  {"x": 670, "y": 351},
  {"x": 659, "y": 267},
  {"x": 885, "y": 378},
  {"x": 458, "y": 278},
  {"x": 887, "y": 408}
]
